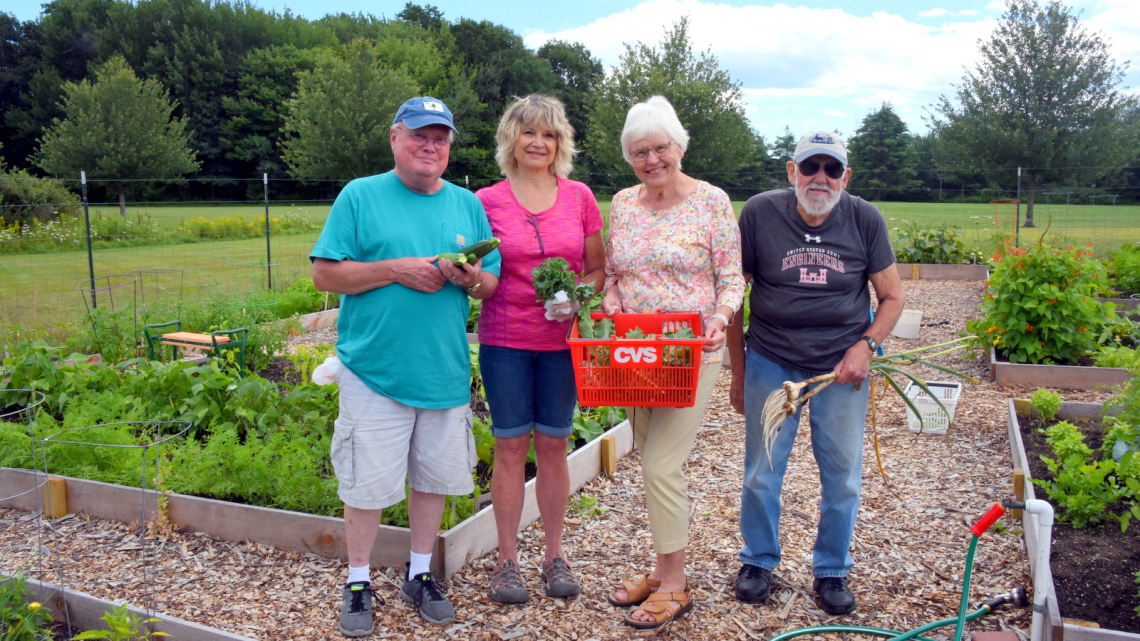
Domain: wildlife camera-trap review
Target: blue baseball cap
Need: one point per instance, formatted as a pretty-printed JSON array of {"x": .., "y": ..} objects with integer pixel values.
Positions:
[{"x": 424, "y": 111}]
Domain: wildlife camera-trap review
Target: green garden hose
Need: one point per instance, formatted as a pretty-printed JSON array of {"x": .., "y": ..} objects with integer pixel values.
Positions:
[{"x": 1017, "y": 597}]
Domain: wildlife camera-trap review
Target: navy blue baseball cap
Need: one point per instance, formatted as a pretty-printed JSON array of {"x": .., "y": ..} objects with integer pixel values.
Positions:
[{"x": 421, "y": 112}]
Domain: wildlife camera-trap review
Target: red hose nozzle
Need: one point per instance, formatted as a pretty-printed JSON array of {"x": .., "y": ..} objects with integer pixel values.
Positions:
[{"x": 988, "y": 519}]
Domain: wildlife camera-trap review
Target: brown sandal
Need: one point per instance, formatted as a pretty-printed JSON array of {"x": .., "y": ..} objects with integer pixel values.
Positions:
[
  {"x": 658, "y": 606},
  {"x": 636, "y": 591}
]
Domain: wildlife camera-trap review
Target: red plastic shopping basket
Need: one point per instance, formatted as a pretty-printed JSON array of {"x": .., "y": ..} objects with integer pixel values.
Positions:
[{"x": 638, "y": 372}]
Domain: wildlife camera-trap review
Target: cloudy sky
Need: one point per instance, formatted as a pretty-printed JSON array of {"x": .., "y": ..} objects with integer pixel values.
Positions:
[{"x": 820, "y": 66}]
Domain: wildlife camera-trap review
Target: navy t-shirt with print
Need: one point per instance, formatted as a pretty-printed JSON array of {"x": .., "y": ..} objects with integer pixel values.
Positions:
[{"x": 810, "y": 298}]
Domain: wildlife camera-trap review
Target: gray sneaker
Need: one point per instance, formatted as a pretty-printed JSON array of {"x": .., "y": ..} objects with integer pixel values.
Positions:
[
  {"x": 356, "y": 613},
  {"x": 560, "y": 581},
  {"x": 506, "y": 585},
  {"x": 423, "y": 592}
]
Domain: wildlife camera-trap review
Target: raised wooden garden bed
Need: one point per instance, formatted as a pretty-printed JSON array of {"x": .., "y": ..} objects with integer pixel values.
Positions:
[
  {"x": 83, "y": 611},
  {"x": 319, "y": 320},
  {"x": 1055, "y": 376},
  {"x": 918, "y": 271},
  {"x": 1057, "y": 627},
  {"x": 322, "y": 535},
  {"x": 1124, "y": 306}
]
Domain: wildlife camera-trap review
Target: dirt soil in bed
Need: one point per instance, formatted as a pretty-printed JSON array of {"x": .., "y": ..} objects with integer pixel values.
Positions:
[
  {"x": 1093, "y": 567},
  {"x": 909, "y": 546}
]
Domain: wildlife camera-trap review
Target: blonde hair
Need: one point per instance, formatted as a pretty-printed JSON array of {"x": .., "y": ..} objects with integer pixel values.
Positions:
[
  {"x": 654, "y": 117},
  {"x": 544, "y": 111}
]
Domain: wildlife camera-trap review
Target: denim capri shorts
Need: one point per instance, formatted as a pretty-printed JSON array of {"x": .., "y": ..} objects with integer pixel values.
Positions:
[{"x": 528, "y": 390}]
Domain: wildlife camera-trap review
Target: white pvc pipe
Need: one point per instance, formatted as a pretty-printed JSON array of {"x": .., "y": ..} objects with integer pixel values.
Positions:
[{"x": 1044, "y": 513}]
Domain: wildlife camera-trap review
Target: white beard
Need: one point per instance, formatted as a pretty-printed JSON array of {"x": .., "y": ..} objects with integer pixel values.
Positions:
[{"x": 815, "y": 205}]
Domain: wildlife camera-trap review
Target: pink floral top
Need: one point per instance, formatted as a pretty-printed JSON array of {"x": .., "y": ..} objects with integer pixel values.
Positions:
[{"x": 683, "y": 258}]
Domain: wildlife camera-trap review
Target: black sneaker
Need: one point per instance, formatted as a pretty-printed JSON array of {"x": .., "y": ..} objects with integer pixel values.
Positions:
[
  {"x": 834, "y": 596},
  {"x": 753, "y": 584},
  {"x": 356, "y": 611},
  {"x": 423, "y": 592}
]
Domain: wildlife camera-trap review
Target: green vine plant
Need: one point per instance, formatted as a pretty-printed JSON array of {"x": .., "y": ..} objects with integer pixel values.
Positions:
[{"x": 1041, "y": 306}]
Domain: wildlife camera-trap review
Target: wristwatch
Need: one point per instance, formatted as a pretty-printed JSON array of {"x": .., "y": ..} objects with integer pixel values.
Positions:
[{"x": 872, "y": 343}]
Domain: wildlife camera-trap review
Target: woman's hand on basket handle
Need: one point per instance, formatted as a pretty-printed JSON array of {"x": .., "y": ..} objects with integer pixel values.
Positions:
[
  {"x": 611, "y": 302},
  {"x": 715, "y": 329}
]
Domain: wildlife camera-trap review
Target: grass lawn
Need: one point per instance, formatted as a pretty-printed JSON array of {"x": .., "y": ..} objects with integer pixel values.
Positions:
[
  {"x": 39, "y": 290},
  {"x": 175, "y": 214}
]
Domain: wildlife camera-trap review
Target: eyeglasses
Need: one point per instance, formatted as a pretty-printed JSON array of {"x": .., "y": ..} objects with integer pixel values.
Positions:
[
  {"x": 533, "y": 220},
  {"x": 641, "y": 155},
  {"x": 810, "y": 167},
  {"x": 439, "y": 142}
]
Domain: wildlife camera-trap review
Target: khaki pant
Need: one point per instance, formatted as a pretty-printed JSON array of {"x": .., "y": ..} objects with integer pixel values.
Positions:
[{"x": 665, "y": 438}]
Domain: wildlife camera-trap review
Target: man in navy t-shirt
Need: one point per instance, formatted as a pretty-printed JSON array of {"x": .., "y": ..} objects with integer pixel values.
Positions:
[{"x": 810, "y": 252}]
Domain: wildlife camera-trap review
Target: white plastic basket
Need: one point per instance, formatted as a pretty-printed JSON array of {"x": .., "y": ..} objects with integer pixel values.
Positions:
[{"x": 934, "y": 420}]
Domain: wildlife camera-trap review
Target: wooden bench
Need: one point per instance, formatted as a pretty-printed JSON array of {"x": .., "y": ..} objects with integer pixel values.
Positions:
[{"x": 215, "y": 341}]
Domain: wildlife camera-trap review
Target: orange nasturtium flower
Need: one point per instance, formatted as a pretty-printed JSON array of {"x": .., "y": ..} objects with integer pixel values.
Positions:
[{"x": 1029, "y": 328}]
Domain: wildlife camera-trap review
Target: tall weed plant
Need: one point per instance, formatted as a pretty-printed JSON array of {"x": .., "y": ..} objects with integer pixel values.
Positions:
[{"x": 1041, "y": 305}]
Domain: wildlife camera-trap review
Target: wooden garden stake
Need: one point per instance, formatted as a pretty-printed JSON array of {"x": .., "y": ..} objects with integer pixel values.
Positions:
[
  {"x": 1018, "y": 491},
  {"x": 609, "y": 454},
  {"x": 55, "y": 498}
]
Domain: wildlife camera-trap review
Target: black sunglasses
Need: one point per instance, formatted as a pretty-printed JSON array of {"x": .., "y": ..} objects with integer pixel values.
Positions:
[
  {"x": 533, "y": 220},
  {"x": 810, "y": 167}
]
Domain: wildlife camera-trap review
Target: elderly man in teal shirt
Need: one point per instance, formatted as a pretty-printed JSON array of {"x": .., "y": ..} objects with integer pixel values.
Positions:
[{"x": 405, "y": 367}]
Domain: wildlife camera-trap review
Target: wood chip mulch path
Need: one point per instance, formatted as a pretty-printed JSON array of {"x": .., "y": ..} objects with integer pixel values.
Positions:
[{"x": 909, "y": 546}]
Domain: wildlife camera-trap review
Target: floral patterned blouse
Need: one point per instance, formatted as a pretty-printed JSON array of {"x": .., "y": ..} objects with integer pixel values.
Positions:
[{"x": 686, "y": 257}]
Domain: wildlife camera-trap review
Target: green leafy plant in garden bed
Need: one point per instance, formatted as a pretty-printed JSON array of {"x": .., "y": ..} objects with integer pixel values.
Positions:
[
  {"x": 1124, "y": 268},
  {"x": 112, "y": 333},
  {"x": 1087, "y": 484},
  {"x": 1041, "y": 305},
  {"x": 250, "y": 440},
  {"x": 940, "y": 245},
  {"x": 20, "y": 620},
  {"x": 122, "y": 625},
  {"x": 1047, "y": 402}
]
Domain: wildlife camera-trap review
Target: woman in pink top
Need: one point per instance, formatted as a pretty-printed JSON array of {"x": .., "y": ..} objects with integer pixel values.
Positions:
[
  {"x": 674, "y": 244},
  {"x": 523, "y": 357}
]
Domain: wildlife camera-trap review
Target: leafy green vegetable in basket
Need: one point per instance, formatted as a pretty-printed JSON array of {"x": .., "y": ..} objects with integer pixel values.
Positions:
[{"x": 554, "y": 275}]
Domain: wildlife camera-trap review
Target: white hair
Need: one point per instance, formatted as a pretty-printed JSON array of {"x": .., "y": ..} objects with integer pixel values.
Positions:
[{"x": 654, "y": 117}]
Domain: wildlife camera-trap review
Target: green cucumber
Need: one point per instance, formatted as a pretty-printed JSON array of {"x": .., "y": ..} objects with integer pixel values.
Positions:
[
  {"x": 475, "y": 251},
  {"x": 457, "y": 258}
]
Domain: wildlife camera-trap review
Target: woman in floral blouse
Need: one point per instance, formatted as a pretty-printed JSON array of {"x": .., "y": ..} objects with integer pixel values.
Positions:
[{"x": 674, "y": 244}]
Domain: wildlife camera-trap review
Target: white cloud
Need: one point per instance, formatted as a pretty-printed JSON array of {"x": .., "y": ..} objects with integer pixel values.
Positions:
[
  {"x": 817, "y": 62},
  {"x": 996, "y": 5},
  {"x": 934, "y": 13},
  {"x": 967, "y": 12}
]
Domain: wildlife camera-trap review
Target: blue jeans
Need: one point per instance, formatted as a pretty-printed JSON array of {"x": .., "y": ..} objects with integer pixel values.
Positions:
[
  {"x": 838, "y": 416},
  {"x": 528, "y": 390}
]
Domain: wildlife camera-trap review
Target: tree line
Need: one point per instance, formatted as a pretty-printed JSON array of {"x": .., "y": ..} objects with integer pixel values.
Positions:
[{"x": 222, "y": 92}]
